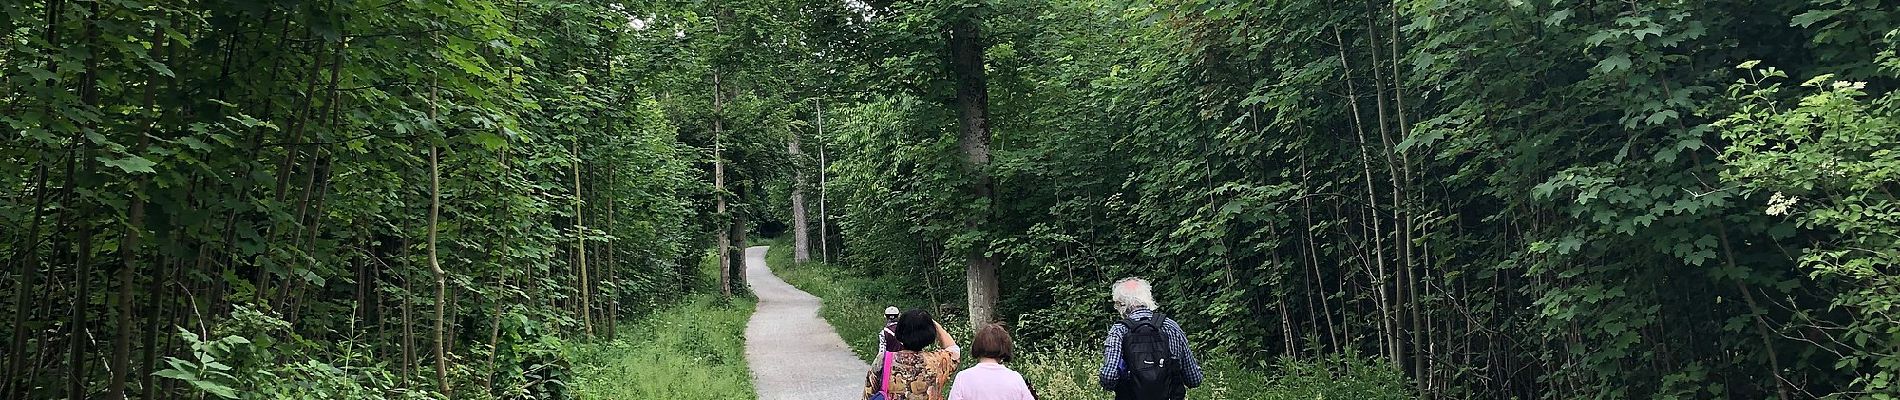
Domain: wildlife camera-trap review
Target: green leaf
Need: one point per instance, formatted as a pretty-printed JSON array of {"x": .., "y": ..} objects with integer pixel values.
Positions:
[
  {"x": 1660, "y": 117},
  {"x": 194, "y": 143},
  {"x": 129, "y": 164},
  {"x": 1557, "y": 18},
  {"x": 176, "y": 374},
  {"x": 309, "y": 276},
  {"x": 215, "y": 388},
  {"x": 1598, "y": 38},
  {"x": 1617, "y": 61},
  {"x": 1811, "y": 17},
  {"x": 39, "y": 74},
  {"x": 159, "y": 67}
]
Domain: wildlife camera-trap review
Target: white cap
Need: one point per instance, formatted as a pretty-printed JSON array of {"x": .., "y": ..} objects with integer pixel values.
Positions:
[{"x": 890, "y": 310}]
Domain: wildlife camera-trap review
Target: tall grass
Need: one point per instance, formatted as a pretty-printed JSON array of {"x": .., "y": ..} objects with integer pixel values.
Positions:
[
  {"x": 690, "y": 351},
  {"x": 853, "y": 304}
]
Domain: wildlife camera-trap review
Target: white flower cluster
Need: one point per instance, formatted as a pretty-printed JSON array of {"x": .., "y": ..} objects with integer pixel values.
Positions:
[
  {"x": 1845, "y": 84},
  {"x": 1779, "y": 204}
]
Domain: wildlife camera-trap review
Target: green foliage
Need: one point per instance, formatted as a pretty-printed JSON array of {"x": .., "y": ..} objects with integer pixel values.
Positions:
[
  {"x": 213, "y": 166},
  {"x": 1523, "y": 199},
  {"x": 236, "y": 367},
  {"x": 1828, "y": 161}
]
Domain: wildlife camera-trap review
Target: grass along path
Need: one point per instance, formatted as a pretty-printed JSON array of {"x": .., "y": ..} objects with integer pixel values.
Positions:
[
  {"x": 854, "y": 305},
  {"x": 691, "y": 350}
]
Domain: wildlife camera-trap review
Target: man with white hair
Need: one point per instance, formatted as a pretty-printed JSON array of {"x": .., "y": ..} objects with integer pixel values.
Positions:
[{"x": 1146, "y": 355}]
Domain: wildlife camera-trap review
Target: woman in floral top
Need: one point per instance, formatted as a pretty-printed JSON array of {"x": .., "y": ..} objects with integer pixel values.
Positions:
[{"x": 917, "y": 374}]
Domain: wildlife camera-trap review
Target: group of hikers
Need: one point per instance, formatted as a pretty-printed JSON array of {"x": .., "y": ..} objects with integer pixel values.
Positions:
[{"x": 1144, "y": 357}]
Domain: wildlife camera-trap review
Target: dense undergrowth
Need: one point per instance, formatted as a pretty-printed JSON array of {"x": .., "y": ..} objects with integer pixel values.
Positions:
[
  {"x": 854, "y": 303},
  {"x": 693, "y": 351}
]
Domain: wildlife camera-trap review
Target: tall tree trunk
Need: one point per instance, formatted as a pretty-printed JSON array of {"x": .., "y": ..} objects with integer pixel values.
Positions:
[
  {"x": 435, "y": 266},
  {"x": 121, "y": 360},
  {"x": 501, "y": 280},
  {"x": 612, "y": 311},
  {"x": 89, "y": 94},
  {"x": 580, "y": 245},
  {"x": 1404, "y": 291},
  {"x": 122, "y": 343},
  {"x": 801, "y": 240},
  {"x": 82, "y": 299},
  {"x": 28, "y": 256},
  {"x": 824, "y": 237},
  {"x": 966, "y": 63},
  {"x": 408, "y": 323},
  {"x": 719, "y": 185},
  {"x": 1389, "y": 330}
]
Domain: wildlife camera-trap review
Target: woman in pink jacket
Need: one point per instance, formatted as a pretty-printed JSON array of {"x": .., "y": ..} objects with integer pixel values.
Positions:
[{"x": 989, "y": 379}]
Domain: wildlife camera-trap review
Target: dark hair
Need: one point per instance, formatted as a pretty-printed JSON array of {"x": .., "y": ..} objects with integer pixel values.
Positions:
[
  {"x": 993, "y": 342},
  {"x": 915, "y": 330}
]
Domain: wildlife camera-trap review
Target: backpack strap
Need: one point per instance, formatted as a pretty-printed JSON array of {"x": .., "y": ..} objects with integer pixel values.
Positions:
[
  {"x": 884, "y": 380},
  {"x": 1153, "y": 318}
]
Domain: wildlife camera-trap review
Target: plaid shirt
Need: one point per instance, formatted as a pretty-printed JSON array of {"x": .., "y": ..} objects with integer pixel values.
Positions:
[{"x": 1177, "y": 343}]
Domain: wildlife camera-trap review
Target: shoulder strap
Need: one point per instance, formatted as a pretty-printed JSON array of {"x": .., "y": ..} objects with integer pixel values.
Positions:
[
  {"x": 1155, "y": 318},
  {"x": 884, "y": 380}
]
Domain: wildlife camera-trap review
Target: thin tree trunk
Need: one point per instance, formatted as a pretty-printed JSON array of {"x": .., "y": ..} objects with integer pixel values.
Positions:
[
  {"x": 155, "y": 310},
  {"x": 580, "y": 245},
  {"x": 501, "y": 281},
  {"x": 1388, "y": 332},
  {"x": 408, "y": 323},
  {"x": 1312, "y": 250},
  {"x": 824, "y": 237},
  {"x": 82, "y": 299},
  {"x": 1405, "y": 289},
  {"x": 719, "y": 185},
  {"x": 122, "y": 344},
  {"x": 612, "y": 312},
  {"x": 128, "y": 249},
  {"x": 80, "y": 337},
  {"x": 28, "y": 254},
  {"x": 435, "y": 266}
]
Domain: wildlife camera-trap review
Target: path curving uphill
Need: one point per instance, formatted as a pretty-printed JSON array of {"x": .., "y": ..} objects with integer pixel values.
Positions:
[{"x": 794, "y": 354}]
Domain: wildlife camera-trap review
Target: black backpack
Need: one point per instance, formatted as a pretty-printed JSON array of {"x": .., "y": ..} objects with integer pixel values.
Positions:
[{"x": 1149, "y": 360}]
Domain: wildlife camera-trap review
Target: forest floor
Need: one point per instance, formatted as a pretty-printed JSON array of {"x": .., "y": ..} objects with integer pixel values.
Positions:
[{"x": 793, "y": 353}]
